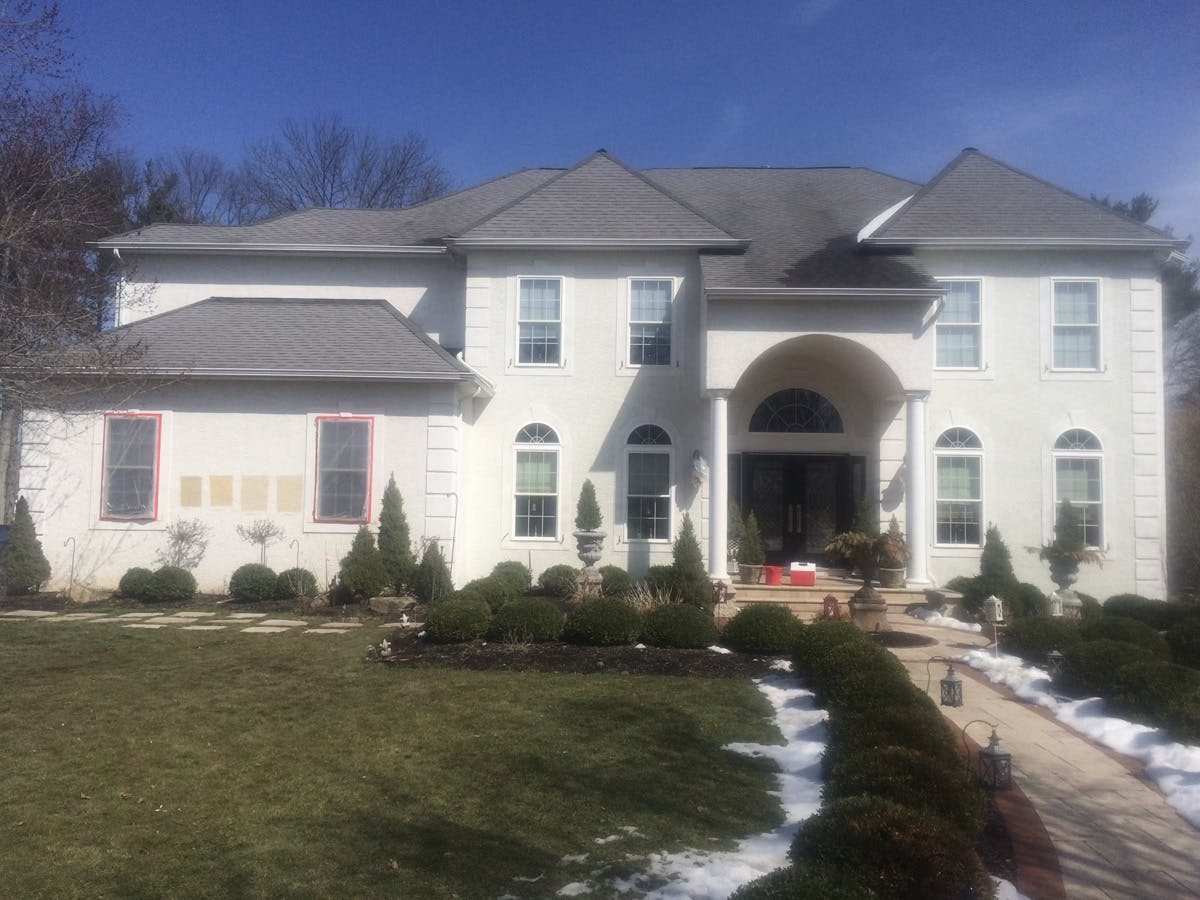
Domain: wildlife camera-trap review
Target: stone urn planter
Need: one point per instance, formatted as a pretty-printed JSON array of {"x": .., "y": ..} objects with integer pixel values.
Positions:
[
  {"x": 590, "y": 544},
  {"x": 892, "y": 578}
]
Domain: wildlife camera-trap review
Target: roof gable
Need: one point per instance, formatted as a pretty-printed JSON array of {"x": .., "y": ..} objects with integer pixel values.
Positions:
[
  {"x": 979, "y": 200},
  {"x": 599, "y": 201}
]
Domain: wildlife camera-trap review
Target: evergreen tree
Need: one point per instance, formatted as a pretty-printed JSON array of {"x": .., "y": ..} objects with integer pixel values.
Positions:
[
  {"x": 362, "y": 573},
  {"x": 587, "y": 512},
  {"x": 394, "y": 543},
  {"x": 432, "y": 580},
  {"x": 995, "y": 564},
  {"x": 688, "y": 561},
  {"x": 23, "y": 563},
  {"x": 751, "y": 552}
]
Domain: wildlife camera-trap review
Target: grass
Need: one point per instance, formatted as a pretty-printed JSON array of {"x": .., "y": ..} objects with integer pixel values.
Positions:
[{"x": 186, "y": 764}]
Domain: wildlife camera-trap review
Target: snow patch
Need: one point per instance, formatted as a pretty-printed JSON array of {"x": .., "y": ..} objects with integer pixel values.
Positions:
[
  {"x": 782, "y": 665},
  {"x": 574, "y": 889},
  {"x": 573, "y": 858},
  {"x": 1174, "y": 766},
  {"x": 607, "y": 840},
  {"x": 929, "y": 617},
  {"x": 1006, "y": 891},
  {"x": 718, "y": 649}
]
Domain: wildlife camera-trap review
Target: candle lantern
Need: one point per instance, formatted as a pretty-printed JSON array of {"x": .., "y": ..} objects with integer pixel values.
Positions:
[{"x": 952, "y": 688}]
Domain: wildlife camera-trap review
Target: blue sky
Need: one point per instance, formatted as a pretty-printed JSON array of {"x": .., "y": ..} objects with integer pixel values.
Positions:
[{"x": 1096, "y": 96}]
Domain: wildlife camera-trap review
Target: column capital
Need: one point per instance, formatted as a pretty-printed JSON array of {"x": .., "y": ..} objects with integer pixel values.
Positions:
[
  {"x": 918, "y": 396},
  {"x": 718, "y": 393}
]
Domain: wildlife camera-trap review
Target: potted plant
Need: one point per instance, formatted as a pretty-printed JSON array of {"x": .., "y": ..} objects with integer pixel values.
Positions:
[
  {"x": 1065, "y": 554},
  {"x": 750, "y": 552},
  {"x": 867, "y": 606},
  {"x": 734, "y": 538},
  {"x": 892, "y": 556},
  {"x": 589, "y": 539}
]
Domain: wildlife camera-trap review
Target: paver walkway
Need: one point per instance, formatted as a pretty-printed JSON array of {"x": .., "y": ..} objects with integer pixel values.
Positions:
[
  {"x": 1115, "y": 835},
  {"x": 243, "y": 623}
]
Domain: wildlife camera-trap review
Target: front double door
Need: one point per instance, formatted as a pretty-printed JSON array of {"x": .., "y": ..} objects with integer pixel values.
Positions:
[{"x": 800, "y": 501}]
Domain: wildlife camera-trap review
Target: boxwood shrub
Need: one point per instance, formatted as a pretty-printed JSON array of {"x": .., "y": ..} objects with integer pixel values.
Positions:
[
  {"x": 805, "y": 881},
  {"x": 1158, "y": 614},
  {"x": 762, "y": 628},
  {"x": 135, "y": 583},
  {"x": 1033, "y": 637},
  {"x": 917, "y": 725},
  {"x": 859, "y": 678},
  {"x": 559, "y": 581},
  {"x": 1131, "y": 631},
  {"x": 495, "y": 591},
  {"x": 252, "y": 583},
  {"x": 1092, "y": 668},
  {"x": 813, "y": 641},
  {"x": 526, "y": 620},
  {"x": 456, "y": 621},
  {"x": 170, "y": 584},
  {"x": 1147, "y": 691},
  {"x": 296, "y": 583},
  {"x": 515, "y": 574},
  {"x": 616, "y": 581},
  {"x": 602, "y": 622},
  {"x": 678, "y": 625},
  {"x": 1183, "y": 639},
  {"x": 896, "y": 851}
]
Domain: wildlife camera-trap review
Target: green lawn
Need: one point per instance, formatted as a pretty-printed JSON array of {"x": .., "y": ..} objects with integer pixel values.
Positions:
[{"x": 183, "y": 764}]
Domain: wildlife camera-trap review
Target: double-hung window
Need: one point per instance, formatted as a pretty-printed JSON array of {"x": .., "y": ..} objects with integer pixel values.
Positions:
[
  {"x": 960, "y": 327},
  {"x": 1076, "y": 326},
  {"x": 536, "y": 500},
  {"x": 1079, "y": 478},
  {"x": 130, "y": 480},
  {"x": 539, "y": 322},
  {"x": 343, "y": 469},
  {"x": 958, "y": 455},
  {"x": 650, "y": 301},
  {"x": 648, "y": 484}
]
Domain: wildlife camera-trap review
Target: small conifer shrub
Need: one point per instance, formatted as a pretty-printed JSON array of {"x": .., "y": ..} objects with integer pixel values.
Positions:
[
  {"x": 23, "y": 564},
  {"x": 296, "y": 583},
  {"x": 395, "y": 545},
  {"x": 516, "y": 574},
  {"x": 587, "y": 511},
  {"x": 432, "y": 581},
  {"x": 362, "y": 573}
]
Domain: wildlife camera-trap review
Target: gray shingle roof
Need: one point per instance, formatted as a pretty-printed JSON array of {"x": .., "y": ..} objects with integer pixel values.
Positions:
[
  {"x": 300, "y": 337},
  {"x": 414, "y": 225},
  {"x": 598, "y": 201},
  {"x": 978, "y": 198}
]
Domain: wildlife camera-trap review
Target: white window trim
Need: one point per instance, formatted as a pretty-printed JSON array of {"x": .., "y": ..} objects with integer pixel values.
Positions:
[
  {"x": 562, "y": 323},
  {"x": 984, "y": 364},
  {"x": 940, "y": 452},
  {"x": 1101, "y": 366},
  {"x": 667, "y": 450},
  {"x": 629, "y": 323},
  {"x": 556, "y": 449},
  {"x": 1055, "y": 456}
]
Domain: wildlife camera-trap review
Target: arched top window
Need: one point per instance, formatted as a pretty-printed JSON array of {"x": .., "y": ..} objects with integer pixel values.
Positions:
[
  {"x": 537, "y": 433},
  {"x": 959, "y": 439},
  {"x": 796, "y": 411},
  {"x": 649, "y": 435},
  {"x": 1078, "y": 439}
]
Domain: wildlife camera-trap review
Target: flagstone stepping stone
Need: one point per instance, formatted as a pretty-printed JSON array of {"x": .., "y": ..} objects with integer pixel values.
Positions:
[
  {"x": 137, "y": 615},
  {"x": 282, "y": 623},
  {"x": 321, "y": 631},
  {"x": 245, "y": 615},
  {"x": 28, "y": 614},
  {"x": 400, "y": 625},
  {"x": 264, "y": 629},
  {"x": 193, "y": 615},
  {"x": 171, "y": 620},
  {"x": 78, "y": 617},
  {"x": 336, "y": 625},
  {"x": 143, "y": 625},
  {"x": 202, "y": 628}
]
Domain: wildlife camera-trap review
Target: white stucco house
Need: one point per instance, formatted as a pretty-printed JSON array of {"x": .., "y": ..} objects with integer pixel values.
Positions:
[{"x": 965, "y": 352}]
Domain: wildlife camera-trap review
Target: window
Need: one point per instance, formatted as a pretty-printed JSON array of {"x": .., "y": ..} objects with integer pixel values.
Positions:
[
  {"x": 343, "y": 469},
  {"x": 1079, "y": 477},
  {"x": 958, "y": 455},
  {"x": 960, "y": 327},
  {"x": 648, "y": 484},
  {"x": 1076, "y": 325},
  {"x": 539, "y": 322},
  {"x": 130, "y": 479},
  {"x": 796, "y": 411},
  {"x": 537, "y": 482},
  {"x": 650, "y": 321}
]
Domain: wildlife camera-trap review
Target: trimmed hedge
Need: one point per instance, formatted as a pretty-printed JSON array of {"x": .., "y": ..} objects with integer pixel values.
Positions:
[
  {"x": 1184, "y": 641},
  {"x": 135, "y": 583},
  {"x": 457, "y": 621},
  {"x": 806, "y": 882},
  {"x": 896, "y": 851},
  {"x": 1092, "y": 668},
  {"x": 815, "y": 640},
  {"x": 252, "y": 583},
  {"x": 762, "y": 628},
  {"x": 170, "y": 584},
  {"x": 493, "y": 590},
  {"x": 602, "y": 622},
  {"x": 1033, "y": 637},
  {"x": 559, "y": 581},
  {"x": 918, "y": 725},
  {"x": 1158, "y": 614},
  {"x": 1131, "y": 631},
  {"x": 296, "y": 583},
  {"x": 527, "y": 620},
  {"x": 616, "y": 581},
  {"x": 861, "y": 677},
  {"x": 678, "y": 625},
  {"x": 1147, "y": 691},
  {"x": 515, "y": 574}
]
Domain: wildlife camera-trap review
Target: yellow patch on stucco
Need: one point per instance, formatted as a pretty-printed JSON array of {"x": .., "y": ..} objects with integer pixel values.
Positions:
[
  {"x": 289, "y": 493},
  {"x": 189, "y": 490},
  {"x": 220, "y": 490},
  {"x": 254, "y": 493}
]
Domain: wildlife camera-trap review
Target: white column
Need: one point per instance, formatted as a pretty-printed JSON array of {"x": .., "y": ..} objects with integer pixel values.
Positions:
[
  {"x": 718, "y": 487},
  {"x": 916, "y": 488}
]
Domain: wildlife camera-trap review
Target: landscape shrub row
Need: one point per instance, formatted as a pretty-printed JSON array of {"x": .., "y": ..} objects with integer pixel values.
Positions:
[{"x": 250, "y": 583}]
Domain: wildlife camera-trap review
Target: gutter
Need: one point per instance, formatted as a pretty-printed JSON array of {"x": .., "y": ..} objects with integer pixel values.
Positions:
[
  {"x": 270, "y": 249},
  {"x": 598, "y": 243},
  {"x": 819, "y": 293},
  {"x": 1026, "y": 243}
]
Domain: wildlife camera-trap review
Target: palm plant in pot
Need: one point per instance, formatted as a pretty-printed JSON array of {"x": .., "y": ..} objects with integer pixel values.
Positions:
[
  {"x": 750, "y": 552},
  {"x": 892, "y": 556}
]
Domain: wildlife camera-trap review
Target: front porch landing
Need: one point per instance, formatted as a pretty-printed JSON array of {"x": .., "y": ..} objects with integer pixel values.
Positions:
[{"x": 806, "y": 602}]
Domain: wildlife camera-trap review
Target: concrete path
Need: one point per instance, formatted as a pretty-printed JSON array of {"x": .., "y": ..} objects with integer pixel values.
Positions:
[
  {"x": 240, "y": 622},
  {"x": 1114, "y": 834}
]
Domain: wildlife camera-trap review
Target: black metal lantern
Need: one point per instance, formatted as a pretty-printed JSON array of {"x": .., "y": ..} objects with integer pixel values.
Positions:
[
  {"x": 952, "y": 688},
  {"x": 1054, "y": 663},
  {"x": 995, "y": 765}
]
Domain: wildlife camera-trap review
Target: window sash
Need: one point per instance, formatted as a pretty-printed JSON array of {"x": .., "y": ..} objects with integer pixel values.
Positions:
[
  {"x": 1080, "y": 479},
  {"x": 539, "y": 322},
  {"x": 650, "y": 302},
  {"x": 1076, "y": 325},
  {"x": 130, "y": 466},
  {"x": 536, "y": 494},
  {"x": 959, "y": 500},
  {"x": 343, "y": 469},
  {"x": 959, "y": 328},
  {"x": 648, "y": 496}
]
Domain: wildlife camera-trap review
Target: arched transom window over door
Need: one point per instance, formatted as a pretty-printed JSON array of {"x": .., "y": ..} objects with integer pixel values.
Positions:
[{"x": 796, "y": 411}]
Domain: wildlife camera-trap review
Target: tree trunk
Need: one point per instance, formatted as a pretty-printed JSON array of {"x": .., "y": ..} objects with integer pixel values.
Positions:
[{"x": 10, "y": 460}]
